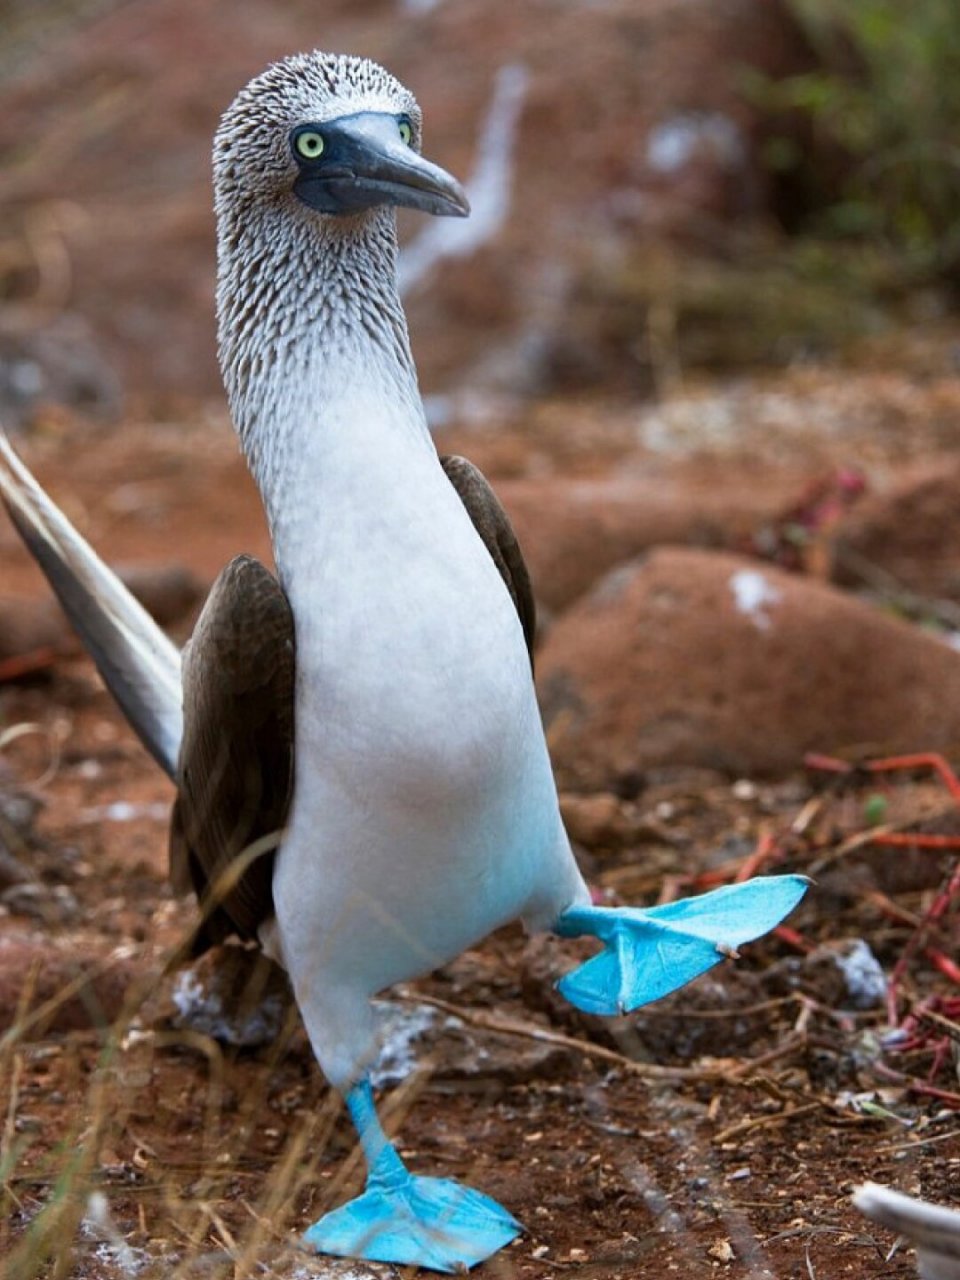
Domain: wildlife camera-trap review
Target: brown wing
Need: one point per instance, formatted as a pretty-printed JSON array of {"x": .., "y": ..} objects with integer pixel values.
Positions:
[
  {"x": 235, "y": 771},
  {"x": 493, "y": 526}
]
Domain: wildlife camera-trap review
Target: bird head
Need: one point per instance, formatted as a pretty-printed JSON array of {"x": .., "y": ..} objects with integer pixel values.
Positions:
[{"x": 331, "y": 135}]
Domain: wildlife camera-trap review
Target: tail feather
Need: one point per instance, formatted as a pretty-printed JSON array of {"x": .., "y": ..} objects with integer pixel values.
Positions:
[
  {"x": 934, "y": 1231},
  {"x": 139, "y": 665}
]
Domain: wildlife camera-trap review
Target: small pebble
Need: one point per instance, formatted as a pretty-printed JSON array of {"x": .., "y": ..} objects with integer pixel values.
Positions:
[{"x": 721, "y": 1250}]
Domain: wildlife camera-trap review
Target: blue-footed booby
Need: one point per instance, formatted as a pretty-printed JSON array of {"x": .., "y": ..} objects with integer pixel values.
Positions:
[{"x": 363, "y": 782}]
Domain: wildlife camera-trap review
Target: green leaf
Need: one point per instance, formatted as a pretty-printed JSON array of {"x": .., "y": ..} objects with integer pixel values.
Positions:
[{"x": 874, "y": 809}]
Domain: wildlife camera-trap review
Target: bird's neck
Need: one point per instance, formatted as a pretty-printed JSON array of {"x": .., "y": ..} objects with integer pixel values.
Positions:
[{"x": 314, "y": 349}]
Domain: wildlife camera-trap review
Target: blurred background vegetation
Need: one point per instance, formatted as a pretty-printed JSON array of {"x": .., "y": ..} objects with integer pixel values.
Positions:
[
  {"x": 681, "y": 187},
  {"x": 869, "y": 145},
  {"x": 860, "y": 150}
]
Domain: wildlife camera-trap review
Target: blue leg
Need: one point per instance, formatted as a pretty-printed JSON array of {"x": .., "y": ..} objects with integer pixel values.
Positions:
[
  {"x": 649, "y": 953},
  {"x": 399, "y": 1218}
]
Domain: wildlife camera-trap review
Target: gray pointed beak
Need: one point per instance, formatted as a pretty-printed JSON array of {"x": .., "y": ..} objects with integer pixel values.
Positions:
[{"x": 366, "y": 163}]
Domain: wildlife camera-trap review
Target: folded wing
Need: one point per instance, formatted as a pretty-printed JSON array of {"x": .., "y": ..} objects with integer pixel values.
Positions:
[
  {"x": 491, "y": 522},
  {"x": 235, "y": 769}
]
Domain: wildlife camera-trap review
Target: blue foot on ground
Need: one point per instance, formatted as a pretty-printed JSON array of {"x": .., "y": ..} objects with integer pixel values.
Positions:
[
  {"x": 650, "y": 952},
  {"x": 428, "y": 1222}
]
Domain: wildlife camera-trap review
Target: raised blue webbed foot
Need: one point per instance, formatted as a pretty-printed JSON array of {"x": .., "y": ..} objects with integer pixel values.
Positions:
[
  {"x": 650, "y": 952},
  {"x": 400, "y": 1218}
]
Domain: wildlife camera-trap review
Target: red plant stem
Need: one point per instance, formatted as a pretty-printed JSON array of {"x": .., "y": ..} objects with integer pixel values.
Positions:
[
  {"x": 890, "y": 909},
  {"x": 931, "y": 1091},
  {"x": 25, "y": 664},
  {"x": 940, "y": 1052},
  {"x": 916, "y": 840},
  {"x": 921, "y": 760},
  {"x": 793, "y": 938},
  {"x": 891, "y": 1000},
  {"x": 889, "y": 764},
  {"x": 826, "y": 764},
  {"x": 917, "y": 1086},
  {"x": 766, "y": 848},
  {"x": 944, "y": 964},
  {"x": 944, "y": 899}
]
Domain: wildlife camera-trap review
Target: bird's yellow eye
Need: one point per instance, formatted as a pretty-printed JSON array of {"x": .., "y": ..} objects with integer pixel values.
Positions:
[
  {"x": 309, "y": 144},
  {"x": 406, "y": 132}
]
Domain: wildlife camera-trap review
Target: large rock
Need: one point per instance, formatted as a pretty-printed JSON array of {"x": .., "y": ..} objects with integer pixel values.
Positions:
[
  {"x": 906, "y": 535},
  {"x": 52, "y": 361},
  {"x": 705, "y": 658},
  {"x": 573, "y": 531},
  {"x": 168, "y": 592}
]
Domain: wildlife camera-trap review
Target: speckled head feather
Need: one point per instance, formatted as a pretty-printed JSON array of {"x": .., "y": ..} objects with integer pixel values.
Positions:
[
  {"x": 251, "y": 152},
  {"x": 298, "y": 289}
]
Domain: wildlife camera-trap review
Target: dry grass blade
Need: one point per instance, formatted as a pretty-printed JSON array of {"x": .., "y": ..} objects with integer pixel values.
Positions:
[
  {"x": 646, "y": 1070},
  {"x": 25, "y": 1022},
  {"x": 763, "y": 1122}
]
